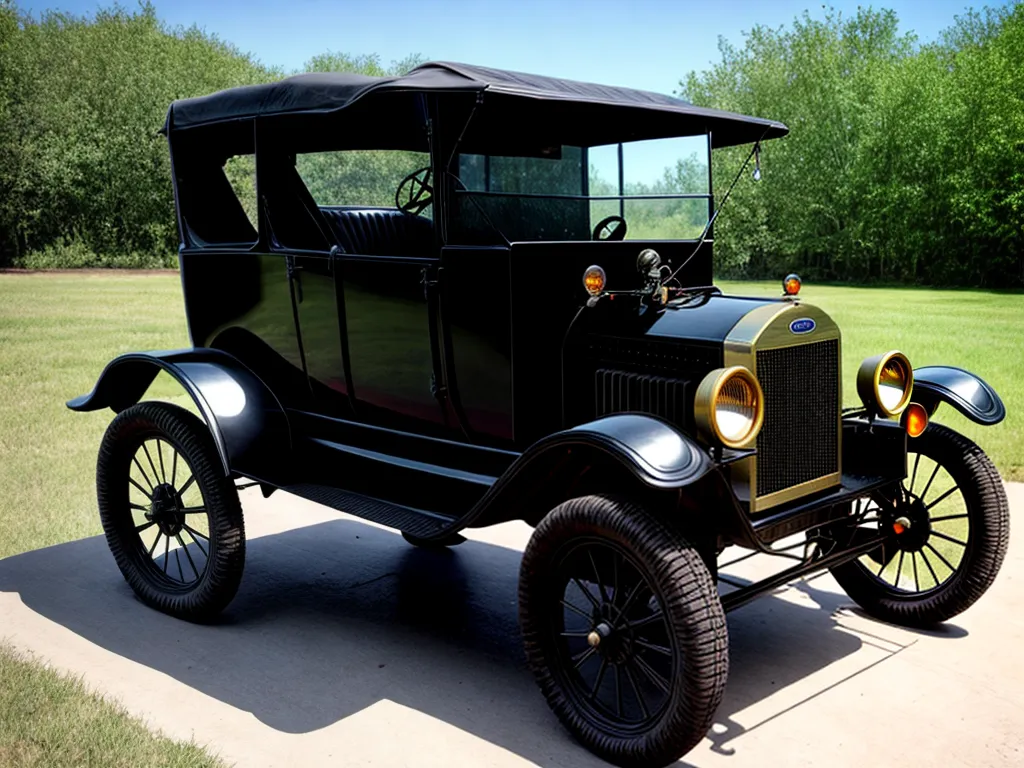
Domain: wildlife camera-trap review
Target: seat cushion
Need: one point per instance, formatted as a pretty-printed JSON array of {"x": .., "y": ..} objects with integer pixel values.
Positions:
[{"x": 380, "y": 231}]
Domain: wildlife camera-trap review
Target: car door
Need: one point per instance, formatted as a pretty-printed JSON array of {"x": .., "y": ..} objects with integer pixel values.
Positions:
[
  {"x": 367, "y": 307},
  {"x": 298, "y": 234},
  {"x": 320, "y": 317},
  {"x": 389, "y": 316}
]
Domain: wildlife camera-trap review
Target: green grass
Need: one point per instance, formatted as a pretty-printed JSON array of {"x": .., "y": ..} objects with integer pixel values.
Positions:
[
  {"x": 48, "y": 720},
  {"x": 57, "y": 331}
]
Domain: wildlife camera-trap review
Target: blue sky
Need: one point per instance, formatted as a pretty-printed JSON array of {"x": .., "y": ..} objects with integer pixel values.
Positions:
[{"x": 646, "y": 44}]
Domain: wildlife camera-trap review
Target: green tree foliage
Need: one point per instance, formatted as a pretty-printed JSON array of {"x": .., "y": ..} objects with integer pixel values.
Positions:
[
  {"x": 905, "y": 162},
  {"x": 82, "y": 164},
  {"x": 85, "y": 175}
]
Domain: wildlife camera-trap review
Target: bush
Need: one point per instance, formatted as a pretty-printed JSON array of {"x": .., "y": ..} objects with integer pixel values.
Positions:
[{"x": 75, "y": 254}]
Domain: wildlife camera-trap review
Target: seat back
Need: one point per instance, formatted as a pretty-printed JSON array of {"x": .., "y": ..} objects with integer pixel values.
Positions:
[{"x": 380, "y": 231}]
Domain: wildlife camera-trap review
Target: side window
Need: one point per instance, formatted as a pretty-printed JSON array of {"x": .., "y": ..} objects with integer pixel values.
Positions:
[
  {"x": 559, "y": 172},
  {"x": 218, "y": 200},
  {"x": 508, "y": 198},
  {"x": 241, "y": 173},
  {"x": 364, "y": 178},
  {"x": 660, "y": 186},
  {"x": 356, "y": 191}
]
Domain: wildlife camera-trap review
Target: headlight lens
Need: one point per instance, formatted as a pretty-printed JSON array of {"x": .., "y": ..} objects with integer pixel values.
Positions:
[
  {"x": 885, "y": 383},
  {"x": 729, "y": 407}
]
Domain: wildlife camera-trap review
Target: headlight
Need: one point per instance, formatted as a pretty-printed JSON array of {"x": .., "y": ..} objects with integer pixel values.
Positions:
[
  {"x": 729, "y": 407},
  {"x": 885, "y": 383}
]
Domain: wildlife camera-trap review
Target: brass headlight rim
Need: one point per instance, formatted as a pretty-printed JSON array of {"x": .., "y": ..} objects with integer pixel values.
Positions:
[
  {"x": 908, "y": 391},
  {"x": 706, "y": 400}
]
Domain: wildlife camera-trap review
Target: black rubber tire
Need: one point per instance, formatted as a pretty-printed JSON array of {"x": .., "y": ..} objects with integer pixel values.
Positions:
[
  {"x": 218, "y": 584},
  {"x": 989, "y": 518},
  {"x": 452, "y": 540},
  {"x": 691, "y": 603}
]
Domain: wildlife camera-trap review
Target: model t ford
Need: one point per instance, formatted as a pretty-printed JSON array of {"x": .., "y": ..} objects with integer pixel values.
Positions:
[{"x": 465, "y": 296}]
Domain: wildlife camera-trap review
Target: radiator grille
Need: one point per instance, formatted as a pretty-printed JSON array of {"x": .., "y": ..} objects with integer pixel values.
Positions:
[
  {"x": 672, "y": 359},
  {"x": 619, "y": 392},
  {"x": 799, "y": 441}
]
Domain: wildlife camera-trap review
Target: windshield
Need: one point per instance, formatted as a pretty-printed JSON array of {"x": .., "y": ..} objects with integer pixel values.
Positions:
[{"x": 660, "y": 187}]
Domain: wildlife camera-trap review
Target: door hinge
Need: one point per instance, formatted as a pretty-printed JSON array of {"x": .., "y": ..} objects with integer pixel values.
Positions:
[
  {"x": 295, "y": 276},
  {"x": 429, "y": 282}
]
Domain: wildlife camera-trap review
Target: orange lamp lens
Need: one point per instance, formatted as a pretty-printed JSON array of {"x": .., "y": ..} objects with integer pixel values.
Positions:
[
  {"x": 915, "y": 419},
  {"x": 594, "y": 280},
  {"x": 791, "y": 285}
]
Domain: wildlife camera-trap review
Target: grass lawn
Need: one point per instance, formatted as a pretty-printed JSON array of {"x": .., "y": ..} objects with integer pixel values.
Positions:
[
  {"x": 49, "y": 720},
  {"x": 57, "y": 331}
]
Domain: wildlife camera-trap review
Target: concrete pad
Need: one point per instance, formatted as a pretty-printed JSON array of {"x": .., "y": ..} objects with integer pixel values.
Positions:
[{"x": 346, "y": 646}]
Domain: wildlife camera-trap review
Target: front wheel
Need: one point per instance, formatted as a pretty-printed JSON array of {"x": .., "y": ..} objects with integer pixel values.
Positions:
[
  {"x": 172, "y": 518},
  {"x": 949, "y": 526},
  {"x": 623, "y": 630}
]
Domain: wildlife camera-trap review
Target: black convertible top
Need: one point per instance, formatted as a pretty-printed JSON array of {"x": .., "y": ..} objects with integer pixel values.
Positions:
[{"x": 590, "y": 114}]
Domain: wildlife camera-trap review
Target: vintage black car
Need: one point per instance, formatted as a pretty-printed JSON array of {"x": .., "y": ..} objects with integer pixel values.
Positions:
[{"x": 464, "y": 296}]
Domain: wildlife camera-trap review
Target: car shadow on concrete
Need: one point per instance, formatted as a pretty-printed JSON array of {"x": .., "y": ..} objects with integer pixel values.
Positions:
[{"x": 334, "y": 617}]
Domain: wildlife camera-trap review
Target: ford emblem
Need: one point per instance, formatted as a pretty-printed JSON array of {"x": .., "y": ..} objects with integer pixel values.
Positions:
[{"x": 802, "y": 325}]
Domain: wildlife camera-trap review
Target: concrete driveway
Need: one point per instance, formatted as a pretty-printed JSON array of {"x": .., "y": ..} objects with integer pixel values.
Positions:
[{"x": 346, "y": 646}]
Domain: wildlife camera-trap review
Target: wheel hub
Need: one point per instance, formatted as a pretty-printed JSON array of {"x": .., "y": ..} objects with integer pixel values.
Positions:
[
  {"x": 910, "y": 522},
  {"x": 611, "y": 636},
  {"x": 166, "y": 510}
]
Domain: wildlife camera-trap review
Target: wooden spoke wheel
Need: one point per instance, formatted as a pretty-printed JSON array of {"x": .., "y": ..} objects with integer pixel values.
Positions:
[
  {"x": 949, "y": 525},
  {"x": 623, "y": 629},
  {"x": 171, "y": 517}
]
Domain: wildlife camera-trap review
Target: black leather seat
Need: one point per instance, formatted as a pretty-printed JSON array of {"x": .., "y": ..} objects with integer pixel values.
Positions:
[{"x": 380, "y": 231}]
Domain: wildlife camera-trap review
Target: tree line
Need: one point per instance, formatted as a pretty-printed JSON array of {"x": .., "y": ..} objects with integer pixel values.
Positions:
[
  {"x": 905, "y": 161},
  {"x": 85, "y": 176}
]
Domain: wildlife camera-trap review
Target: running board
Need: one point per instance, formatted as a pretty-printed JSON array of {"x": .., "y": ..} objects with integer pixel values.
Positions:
[{"x": 416, "y": 522}]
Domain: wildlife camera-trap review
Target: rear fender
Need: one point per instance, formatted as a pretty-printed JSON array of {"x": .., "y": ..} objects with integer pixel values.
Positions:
[
  {"x": 963, "y": 390},
  {"x": 248, "y": 424}
]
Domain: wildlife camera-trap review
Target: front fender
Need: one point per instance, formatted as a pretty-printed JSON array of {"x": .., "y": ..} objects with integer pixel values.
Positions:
[
  {"x": 656, "y": 454},
  {"x": 248, "y": 424},
  {"x": 966, "y": 392}
]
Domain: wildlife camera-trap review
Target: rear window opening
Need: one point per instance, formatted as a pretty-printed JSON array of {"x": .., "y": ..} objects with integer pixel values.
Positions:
[{"x": 217, "y": 201}]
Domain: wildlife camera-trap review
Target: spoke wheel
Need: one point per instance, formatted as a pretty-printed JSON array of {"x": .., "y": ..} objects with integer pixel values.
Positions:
[
  {"x": 613, "y": 635},
  {"x": 171, "y": 517},
  {"x": 623, "y": 630},
  {"x": 949, "y": 528}
]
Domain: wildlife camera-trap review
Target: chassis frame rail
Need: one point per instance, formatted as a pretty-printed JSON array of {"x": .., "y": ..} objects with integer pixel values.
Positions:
[{"x": 743, "y": 595}]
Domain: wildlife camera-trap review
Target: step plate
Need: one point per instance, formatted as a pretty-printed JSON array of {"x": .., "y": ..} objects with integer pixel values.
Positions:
[{"x": 415, "y": 522}]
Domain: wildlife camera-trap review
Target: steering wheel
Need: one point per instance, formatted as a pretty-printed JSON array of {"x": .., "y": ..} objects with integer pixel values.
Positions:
[
  {"x": 610, "y": 228},
  {"x": 414, "y": 192}
]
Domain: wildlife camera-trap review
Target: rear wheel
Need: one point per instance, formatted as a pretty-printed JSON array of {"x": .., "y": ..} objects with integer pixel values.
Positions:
[
  {"x": 171, "y": 517},
  {"x": 623, "y": 629},
  {"x": 950, "y": 525}
]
